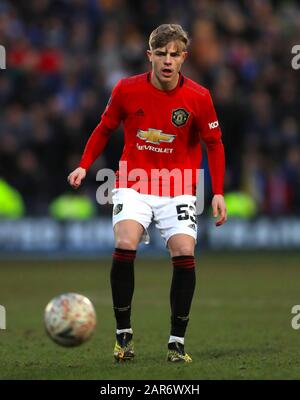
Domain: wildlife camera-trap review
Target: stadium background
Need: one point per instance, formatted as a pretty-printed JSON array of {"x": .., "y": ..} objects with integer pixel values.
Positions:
[{"x": 62, "y": 59}]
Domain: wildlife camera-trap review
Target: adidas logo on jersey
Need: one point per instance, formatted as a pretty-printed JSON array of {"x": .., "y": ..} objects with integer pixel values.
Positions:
[{"x": 140, "y": 112}]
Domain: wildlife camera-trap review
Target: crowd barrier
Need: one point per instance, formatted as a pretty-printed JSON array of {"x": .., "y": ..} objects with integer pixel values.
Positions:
[{"x": 95, "y": 237}]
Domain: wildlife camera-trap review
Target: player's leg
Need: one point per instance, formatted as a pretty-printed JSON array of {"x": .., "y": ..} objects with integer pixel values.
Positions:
[
  {"x": 181, "y": 247},
  {"x": 127, "y": 236},
  {"x": 177, "y": 223},
  {"x": 130, "y": 218}
]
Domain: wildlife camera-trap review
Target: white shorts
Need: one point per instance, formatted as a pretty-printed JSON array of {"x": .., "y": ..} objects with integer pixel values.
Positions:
[{"x": 172, "y": 215}]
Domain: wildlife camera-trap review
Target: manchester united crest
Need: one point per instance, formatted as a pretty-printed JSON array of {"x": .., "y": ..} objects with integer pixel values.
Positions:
[
  {"x": 118, "y": 208},
  {"x": 180, "y": 116}
]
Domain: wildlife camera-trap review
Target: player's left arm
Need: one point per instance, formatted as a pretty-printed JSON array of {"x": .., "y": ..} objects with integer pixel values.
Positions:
[
  {"x": 219, "y": 209},
  {"x": 211, "y": 135}
]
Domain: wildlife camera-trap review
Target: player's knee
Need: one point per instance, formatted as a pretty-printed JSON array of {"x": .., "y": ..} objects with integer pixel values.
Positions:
[
  {"x": 182, "y": 251},
  {"x": 126, "y": 243}
]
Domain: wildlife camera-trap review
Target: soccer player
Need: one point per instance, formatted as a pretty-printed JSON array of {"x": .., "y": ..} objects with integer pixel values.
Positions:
[{"x": 165, "y": 115}]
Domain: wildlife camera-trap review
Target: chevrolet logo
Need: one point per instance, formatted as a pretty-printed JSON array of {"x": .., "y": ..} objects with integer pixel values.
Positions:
[{"x": 155, "y": 136}]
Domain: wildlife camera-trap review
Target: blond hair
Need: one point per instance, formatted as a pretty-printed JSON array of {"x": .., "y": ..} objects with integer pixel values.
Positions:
[{"x": 167, "y": 33}]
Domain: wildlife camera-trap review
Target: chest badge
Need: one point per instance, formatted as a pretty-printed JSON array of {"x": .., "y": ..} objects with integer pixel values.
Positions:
[{"x": 179, "y": 116}]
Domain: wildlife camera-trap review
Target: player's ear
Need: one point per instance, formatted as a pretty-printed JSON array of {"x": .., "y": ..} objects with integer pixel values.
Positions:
[{"x": 149, "y": 54}]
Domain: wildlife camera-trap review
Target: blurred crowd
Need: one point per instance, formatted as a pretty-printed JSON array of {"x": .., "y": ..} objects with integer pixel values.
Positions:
[{"x": 64, "y": 57}]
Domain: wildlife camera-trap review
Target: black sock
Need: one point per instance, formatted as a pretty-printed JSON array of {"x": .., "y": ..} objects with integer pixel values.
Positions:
[
  {"x": 122, "y": 285},
  {"x": 181, "y": 294}
]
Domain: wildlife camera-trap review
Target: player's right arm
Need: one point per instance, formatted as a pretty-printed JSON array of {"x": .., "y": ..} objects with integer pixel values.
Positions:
[
  {"x": 110, "y": 120},
  {"x": 76, "y": 176}
]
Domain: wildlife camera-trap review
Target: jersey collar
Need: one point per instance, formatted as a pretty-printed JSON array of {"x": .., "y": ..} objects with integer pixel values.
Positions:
[{"x": 166, "y": 92}]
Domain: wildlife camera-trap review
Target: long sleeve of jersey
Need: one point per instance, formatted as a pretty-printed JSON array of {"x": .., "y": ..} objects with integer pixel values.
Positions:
[
  {"x": 110, "y": 120},
  {"x": 211, "y": 134}
]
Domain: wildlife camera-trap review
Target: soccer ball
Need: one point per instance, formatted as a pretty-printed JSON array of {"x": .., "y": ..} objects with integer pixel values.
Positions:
[{"x": 70, "y": 319}]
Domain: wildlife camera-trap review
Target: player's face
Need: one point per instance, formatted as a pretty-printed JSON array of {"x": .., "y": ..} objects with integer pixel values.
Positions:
[{"x": 166, "y": 63}]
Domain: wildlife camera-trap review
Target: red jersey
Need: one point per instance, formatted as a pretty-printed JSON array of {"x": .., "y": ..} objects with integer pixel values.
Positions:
[{"x": 163, "y": 131}]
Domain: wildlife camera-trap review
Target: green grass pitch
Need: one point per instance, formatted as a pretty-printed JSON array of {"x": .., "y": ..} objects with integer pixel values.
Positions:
[{"x": 240, "y": 325}]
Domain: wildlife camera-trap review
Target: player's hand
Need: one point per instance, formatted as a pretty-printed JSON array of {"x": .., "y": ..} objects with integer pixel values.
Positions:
[
  {"x": 219, "y": 209},
  {"x": 76, "y": 177}
]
